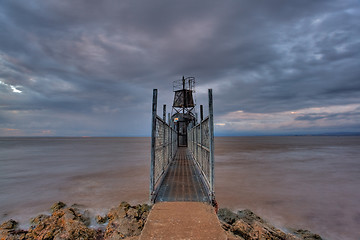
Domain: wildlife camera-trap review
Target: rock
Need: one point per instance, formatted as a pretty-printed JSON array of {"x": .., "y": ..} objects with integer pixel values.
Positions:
[
  {"x": 85, "y": 218},
  {"x": 101, "y": 220},
  {"x": 247, "y": 225},
  {"x": 143, "y": 208},
  {"x": 248, "y": 216},
  {"x": 13, "y": 235},
  {"x": 78, "y": 206},
  {"x": 8, "y": 231},
  {"x": 58, "y": 205},
  {"x": 124, "y": 205},
  {"x": 307, "y": 235},
  {"x": 258, "y": 230},
  {"x": 64, "y": 223},
  {"x": 227, "y": 215},
  {"x": 36, "y": 220},
  {"x": 231, "y": 236},
  {"x": 115, "y": 213},
  {"x": 84, "y": 215},
  {"x": 8, "y": 225},
  {"x": 126, "y": 221}
]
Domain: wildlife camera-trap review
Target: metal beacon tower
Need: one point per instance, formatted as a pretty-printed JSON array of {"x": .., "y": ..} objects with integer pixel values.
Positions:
[{"x": 183, "y": 107}]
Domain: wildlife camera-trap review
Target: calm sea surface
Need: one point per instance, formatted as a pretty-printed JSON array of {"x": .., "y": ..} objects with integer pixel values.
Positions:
[{"x": 300, "y": 182}]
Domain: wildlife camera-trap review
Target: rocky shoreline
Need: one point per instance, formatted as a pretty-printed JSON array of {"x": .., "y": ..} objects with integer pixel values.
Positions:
[
  {"x": 246, "y": 225},
  {"x": 127, "y": 222}
]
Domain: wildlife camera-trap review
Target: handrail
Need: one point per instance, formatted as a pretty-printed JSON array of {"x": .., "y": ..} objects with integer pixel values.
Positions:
[
  {"x": 201, "y": 145},
  {"x": 163, "y": 149}
]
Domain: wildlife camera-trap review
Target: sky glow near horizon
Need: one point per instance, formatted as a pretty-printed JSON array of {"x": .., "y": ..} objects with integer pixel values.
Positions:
[
  {"x": 87, "y": 68},
  {"x": 300, "y": 121}
]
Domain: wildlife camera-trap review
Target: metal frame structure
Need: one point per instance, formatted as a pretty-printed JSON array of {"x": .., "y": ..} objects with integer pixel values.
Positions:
[
  {"x": 183, "y": 107},
  {"x": 184, "y": 85},
  {"x": 201, "y": 145},
  {"x": 164, "y": 145},
  {"x": 163, "y": 148}
]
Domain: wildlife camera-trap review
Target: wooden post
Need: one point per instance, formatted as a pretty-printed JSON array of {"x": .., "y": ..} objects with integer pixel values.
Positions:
[
  {"x": 153, "y": 145},
  {"x": 211, "y": 141},
  {"x": 201, "y": 113}
]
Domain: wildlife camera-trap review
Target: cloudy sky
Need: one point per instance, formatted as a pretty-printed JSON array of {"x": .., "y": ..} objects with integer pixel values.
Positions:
[{"x": 87, "y": 68}]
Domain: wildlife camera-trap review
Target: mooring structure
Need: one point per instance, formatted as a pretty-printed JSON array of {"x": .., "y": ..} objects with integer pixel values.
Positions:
[{"x": 182, "y": 148}]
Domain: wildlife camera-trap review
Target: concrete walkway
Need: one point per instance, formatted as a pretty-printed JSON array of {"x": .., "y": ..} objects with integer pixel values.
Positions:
[{"x": 182, "y": 220}]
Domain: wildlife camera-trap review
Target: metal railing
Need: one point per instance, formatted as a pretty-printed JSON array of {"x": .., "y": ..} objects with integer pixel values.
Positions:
[
  {"x": 201, "y": 145},
  {"x": 163, "y": 148},
  {"x": 164, "y": 144}
]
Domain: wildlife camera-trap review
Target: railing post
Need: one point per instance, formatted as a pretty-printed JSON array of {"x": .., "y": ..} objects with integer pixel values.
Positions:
[
  {"x": 201, "y": 145},
  {"x": 193, "y": 141},
  {"x": 171, "y": 144},
  {"x": 211, "y": 143},
  {"x": 200, "y": 160},
  {"x": 153, "y": 144},
  {"x": 196, "y": 144},
  {"x": 170, "y": 139},
  {"x": 164, "y": 113},
  {"x": 164, "y": 139}
]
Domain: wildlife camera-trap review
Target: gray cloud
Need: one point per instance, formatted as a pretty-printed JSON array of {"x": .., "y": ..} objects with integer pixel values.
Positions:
[
  {"x": 93, "y": 64},
  {"x": 327, "y": 116}
]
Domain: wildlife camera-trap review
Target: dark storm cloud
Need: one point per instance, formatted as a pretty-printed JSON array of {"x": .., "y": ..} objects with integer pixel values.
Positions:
[
  {"x": 95, "y": 63},
  {"x": 316, "y": 64}
]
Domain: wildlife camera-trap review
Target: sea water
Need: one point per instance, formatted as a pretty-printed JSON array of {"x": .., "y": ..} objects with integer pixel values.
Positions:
[{"x": 308, "y": 182}]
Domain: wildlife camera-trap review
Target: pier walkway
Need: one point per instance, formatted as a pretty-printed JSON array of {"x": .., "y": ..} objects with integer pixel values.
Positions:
[
  {"x": 182, "y": 181},
  {"x": 182, "y": 156},
  {"x": 182, "y": 172}
]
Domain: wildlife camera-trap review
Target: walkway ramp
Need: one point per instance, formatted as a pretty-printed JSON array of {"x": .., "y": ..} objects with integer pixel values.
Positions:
[
  {"x": 182, "y": 181},
  {"x": 182, "y": 220}
]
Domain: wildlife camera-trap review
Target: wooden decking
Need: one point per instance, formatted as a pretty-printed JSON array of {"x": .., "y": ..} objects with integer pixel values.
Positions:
[{"x": 183, "y": 181}]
